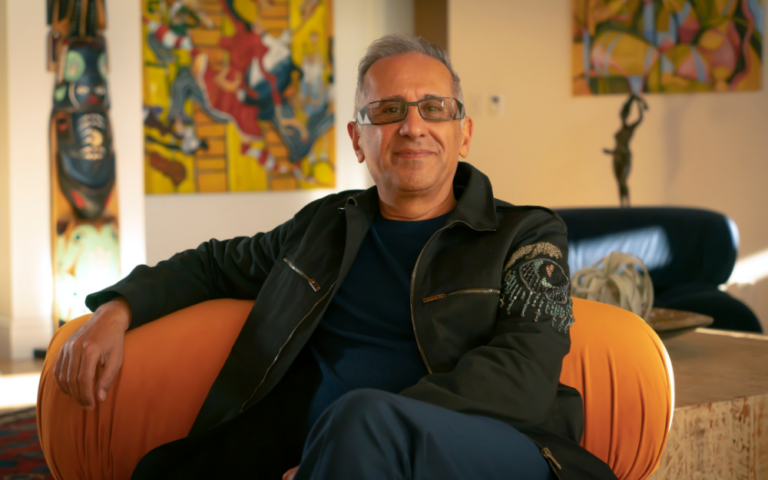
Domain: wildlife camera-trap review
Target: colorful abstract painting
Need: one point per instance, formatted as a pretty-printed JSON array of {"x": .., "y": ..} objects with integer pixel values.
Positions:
[
  {"x": 238, "y": 95},
  {"x": 667, "y": 46}
]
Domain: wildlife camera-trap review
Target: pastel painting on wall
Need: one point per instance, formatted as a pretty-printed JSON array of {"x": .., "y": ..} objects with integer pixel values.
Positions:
[
  {"x": 238, "y": 95},
  {"x": 666, "y": 46}
]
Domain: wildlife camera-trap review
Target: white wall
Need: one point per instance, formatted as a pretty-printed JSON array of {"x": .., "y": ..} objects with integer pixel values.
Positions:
[
  {"x": 5, "y": 199},
  {"x": 29, "y": 92},
  {"x": 29, "y": 103},
  {"x": 178, "y": 222},
  {"x": 699, "y": 150}
]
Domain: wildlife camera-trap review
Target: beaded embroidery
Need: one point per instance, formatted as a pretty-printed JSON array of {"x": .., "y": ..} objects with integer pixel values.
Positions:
[{"x": 534, "y": 276}]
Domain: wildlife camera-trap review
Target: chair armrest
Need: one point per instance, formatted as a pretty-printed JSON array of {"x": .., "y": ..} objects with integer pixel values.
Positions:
[
  {"x": 168, "y": 367},
  {"x": 624, "y": 375}
]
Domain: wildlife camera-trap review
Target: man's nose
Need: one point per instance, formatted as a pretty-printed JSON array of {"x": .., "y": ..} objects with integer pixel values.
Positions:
[{"x": 413, "y": 125}]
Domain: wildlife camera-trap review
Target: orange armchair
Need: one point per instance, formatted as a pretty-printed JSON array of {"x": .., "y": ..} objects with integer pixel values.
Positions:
[{"x": 617, "y": 363}]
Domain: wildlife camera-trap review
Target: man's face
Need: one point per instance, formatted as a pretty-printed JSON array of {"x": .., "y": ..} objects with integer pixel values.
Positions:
[{"x": 413, "y": 156}]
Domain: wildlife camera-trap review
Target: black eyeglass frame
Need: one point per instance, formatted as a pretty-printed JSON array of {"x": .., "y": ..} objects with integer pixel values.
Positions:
[{"x": 361, "y": 114}]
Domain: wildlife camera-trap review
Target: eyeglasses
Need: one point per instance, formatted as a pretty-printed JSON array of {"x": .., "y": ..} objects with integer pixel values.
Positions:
[{"x": 433, "y": 109}]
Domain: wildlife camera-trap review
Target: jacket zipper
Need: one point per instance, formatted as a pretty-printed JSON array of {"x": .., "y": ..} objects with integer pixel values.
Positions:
[
  {"x": 554, "y": 465},
  {"x": 286, "y": 341},
  {"x": 413, "y": 284},
  {"x": 547, "y": 454},
  {"x": 460, "y": 292},
  {"x": 312, "y": 283}
]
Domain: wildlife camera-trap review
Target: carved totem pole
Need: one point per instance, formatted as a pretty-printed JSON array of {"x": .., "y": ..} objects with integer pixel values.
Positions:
[{"x": 84, "y": 215}]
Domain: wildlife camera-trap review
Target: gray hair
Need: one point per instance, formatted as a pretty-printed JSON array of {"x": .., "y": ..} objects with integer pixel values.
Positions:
[{"x": 399, "y": 44}]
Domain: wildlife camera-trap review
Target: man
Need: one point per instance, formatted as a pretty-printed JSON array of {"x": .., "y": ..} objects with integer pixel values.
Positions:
[{"x": 413, "y": 330}]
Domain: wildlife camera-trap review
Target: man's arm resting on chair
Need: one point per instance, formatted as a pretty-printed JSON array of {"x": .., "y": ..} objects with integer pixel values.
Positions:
[{"x": 98, "y": 342}]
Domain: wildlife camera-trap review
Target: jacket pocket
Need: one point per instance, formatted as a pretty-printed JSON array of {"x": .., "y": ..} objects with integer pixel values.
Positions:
[
  {"x": 312, "y": 283},
  {"x": 463, "y": 291}
]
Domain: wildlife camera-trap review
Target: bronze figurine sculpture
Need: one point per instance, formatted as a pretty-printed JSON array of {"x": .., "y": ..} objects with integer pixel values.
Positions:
[{"x": 622, "y": 155}]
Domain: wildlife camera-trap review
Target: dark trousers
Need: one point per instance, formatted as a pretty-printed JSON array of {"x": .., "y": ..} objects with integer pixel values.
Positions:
[{"x": 366, "y": 434}]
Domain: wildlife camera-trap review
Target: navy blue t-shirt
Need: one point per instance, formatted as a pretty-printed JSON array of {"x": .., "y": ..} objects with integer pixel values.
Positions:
[{"x": 366, "y": 339}]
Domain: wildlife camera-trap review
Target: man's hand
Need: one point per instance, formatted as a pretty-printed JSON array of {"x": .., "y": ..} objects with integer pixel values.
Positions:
[
  {"x": 99, "y": 341},
  {"x": 290, "y": 473}
]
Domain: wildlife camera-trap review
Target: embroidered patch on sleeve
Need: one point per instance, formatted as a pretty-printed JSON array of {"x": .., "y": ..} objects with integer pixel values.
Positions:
[{"x": 534, "y": 276}]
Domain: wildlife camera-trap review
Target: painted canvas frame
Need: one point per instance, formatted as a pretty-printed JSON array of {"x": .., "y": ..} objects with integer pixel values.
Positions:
[
  {"x": 238, "y": 95},
  {"x": 666, "y": 46}
]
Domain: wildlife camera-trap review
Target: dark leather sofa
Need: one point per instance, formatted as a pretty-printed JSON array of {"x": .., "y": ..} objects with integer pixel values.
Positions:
[{"x": 688, "y": 252}]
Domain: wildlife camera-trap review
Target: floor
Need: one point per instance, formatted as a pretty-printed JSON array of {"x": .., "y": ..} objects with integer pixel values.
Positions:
[
  {"x": 8, "y": 367},
  {"x": 18, "y": 384}
]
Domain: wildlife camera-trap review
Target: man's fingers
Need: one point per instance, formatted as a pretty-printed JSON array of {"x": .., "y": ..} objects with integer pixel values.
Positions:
[
  {"x": 64, "y": 370},
  {"x": 114, "y": 362},
  {"x": 73, "y": 369},
  {"x": 57, "y": 370},
  {"x": 90, "y": 358}
]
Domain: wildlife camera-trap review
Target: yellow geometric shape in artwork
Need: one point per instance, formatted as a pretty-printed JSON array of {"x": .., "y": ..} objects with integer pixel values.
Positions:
[
  {"x": 216, "y": 147},
  {"x": 244, "y": 174},
  {"x": 211, "y": 164},
  {"x": 246, "y": 9},
  {"x": 284, "y": 183},
  {"x": 324, "y": 174},
  {"x": 712, "y": 39},
  {"x": 751, "y": 79},
  {"x": 156, "y": 91},
  {"x": 205, "y": 37},
  {"x": 577, "y": 60},
  {"x": 674, "y": 5},
  {"x": 154, "y": 181},
  {"x": 213, "y": 130},
  {"x": 622, "y": 54},
  {"x": 212, "y": 182}
]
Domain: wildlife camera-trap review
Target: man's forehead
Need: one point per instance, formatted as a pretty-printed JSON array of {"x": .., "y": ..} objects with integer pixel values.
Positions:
[{"x": 411, "y": 76}]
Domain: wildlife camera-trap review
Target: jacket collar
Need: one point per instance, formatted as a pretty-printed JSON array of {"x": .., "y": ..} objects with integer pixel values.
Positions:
[{"x": 476, "y": 206}]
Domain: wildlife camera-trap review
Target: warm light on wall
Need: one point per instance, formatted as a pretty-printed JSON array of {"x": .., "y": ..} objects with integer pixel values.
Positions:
[{"x": 751, "y": 269}]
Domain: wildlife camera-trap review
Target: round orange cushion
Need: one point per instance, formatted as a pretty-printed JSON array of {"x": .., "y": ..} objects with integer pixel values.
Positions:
[
  {"x": 616, "y": 362},
  {"x": 624, "y": 375}
]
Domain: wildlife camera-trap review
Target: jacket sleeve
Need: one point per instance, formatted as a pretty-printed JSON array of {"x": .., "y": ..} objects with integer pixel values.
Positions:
[
  {"x": 514, "y": 377},
  {"x": 234, "y": 268}
]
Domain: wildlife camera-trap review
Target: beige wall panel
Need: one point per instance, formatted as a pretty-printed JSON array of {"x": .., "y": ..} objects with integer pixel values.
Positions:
[
  {"x": 5, "y": 198},
  {"x": 695, "y": 150}
]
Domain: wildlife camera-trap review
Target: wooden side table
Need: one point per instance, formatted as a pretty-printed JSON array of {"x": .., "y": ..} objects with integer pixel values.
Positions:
[{"x": 720, "y": 424}]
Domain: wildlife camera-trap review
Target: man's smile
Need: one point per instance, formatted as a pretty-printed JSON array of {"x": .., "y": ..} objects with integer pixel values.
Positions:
[{"x": 413, "y": 153}]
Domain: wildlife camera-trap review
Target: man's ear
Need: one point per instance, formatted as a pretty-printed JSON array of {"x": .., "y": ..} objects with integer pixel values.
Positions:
[
  {"x": 354, "y": 133},
  {"x": 466, "y": 136}
]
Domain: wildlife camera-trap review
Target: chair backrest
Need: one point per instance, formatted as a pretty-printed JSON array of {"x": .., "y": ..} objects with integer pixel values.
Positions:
[
  {"x": 624, "y": 375},
  {"x": 678, "y": 245}
]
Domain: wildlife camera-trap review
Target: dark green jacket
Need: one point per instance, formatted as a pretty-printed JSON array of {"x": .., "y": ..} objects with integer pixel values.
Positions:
[{"x": 469, "y": 288}]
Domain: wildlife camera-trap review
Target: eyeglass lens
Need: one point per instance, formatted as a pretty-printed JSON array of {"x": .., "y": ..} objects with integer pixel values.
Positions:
[{"x": 390, "y": 111}]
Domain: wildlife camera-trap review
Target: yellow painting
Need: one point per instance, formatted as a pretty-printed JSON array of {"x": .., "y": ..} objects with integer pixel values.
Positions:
[
  {"x": 666, "y": 46},
  {"x": 238, "y": 95}
]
